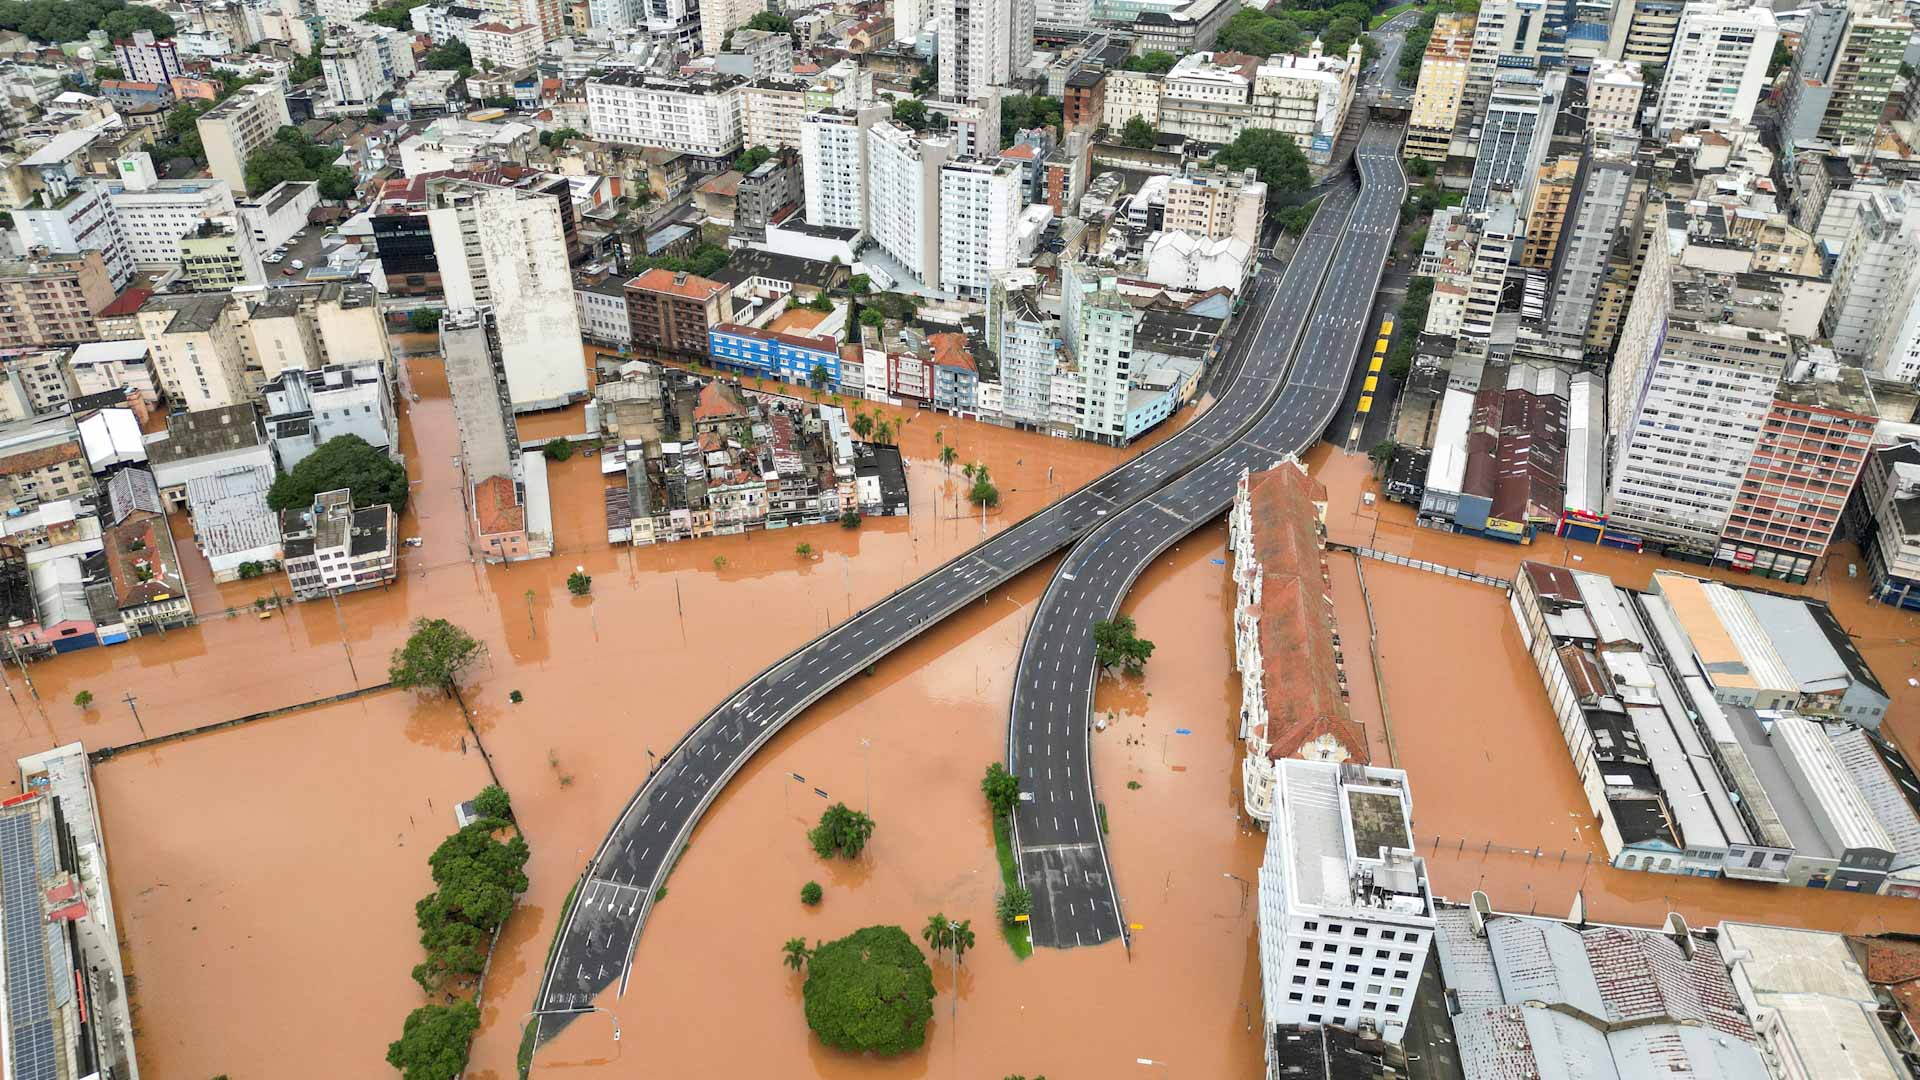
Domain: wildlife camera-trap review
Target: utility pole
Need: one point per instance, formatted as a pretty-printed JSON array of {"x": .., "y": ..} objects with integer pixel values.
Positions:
[
  {"x": 334, "y": 594},
  {"x": 132, "y": 704}
]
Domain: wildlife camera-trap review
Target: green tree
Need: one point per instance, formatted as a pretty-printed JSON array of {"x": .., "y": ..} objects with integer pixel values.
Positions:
[
  {"x": 434, "y": 1042},
  {"x": 1018, "y": 112},
  {"x": 434, "y": 656},
  {"x": 1274, "y": 155},
  {"x": 344, "y": 461},
  {"x": 767, "y": 20},
  {"x": 938, "y": 933},
  {"x": 871, "y": 990},
  {"x": 911, "y": 112},
  {"x": 863, "y": 424},
  {"x": 818, "y": 376},
  {"x": 872, "y": 317},
  {"x": 961, "y": 933},
  {"x": 704, "y": 261},
  {"x": 494, "y": 802},
  {"x": 1138, "y": 134},
  {"x": 454, "y": 949},
  {"x": 850, "y": 519},
  {"x": 478, "y": 876},
  {"x": 1782, "y": 56},
  {"x": 841, "y": 831},
  {"x": 1016, "y": 901},
  {"x": 57, "y": 21},
  {"x": 337, "y": 183},
  {"x": 794, "y": 953},
  {"x": 559, "y": 137},
  {"x": 393, "y": 16},
  {"x": 810, "y": 894},
  {"x": 947, "y": 456},
  {"x": 1001, "y": 788},
  {"x": 557, "y": 449},
  {"x": 859, "y": 284},
  {"x": 424, "y": 320},
  {"x": 1382, "y": 452},
  {"x": 983, "y": 492},
  {"x": 579, "y": 583},
  {"x": 83, "y": 699},
  {"x": 307, "y": 68},
  {"x": 1155, "y": 61},
  {"x": 751, "y": 159},
  {"x": 452, "y": 56},
  {"x": 804, "y": 550},
  {"x": 1116, "y": 645}
]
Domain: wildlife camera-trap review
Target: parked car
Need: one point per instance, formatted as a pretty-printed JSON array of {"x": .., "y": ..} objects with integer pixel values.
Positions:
[{"x": 298, "y": 265}]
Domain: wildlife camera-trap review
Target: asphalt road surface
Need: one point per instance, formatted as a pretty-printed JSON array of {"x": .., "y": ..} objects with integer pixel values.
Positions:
[
  {"x": 1334, "y": 274},
  {"x": 618, "y": 885}
]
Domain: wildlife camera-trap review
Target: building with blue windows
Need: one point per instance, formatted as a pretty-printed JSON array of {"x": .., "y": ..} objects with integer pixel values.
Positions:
[{"x": 787, "y": 357}]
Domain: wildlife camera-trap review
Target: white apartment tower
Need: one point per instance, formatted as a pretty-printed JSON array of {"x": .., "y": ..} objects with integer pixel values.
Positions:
[
  {"x": 903, "y": 196},
  {"x": 505, "y": 250},
  {"x": 833, "y": 165},
  {"x": 980, "y": 204},
  {"x": 232, "y": 130},
  {"x": 1875, "y": 280},
  {"x": 1097, "y": 324},
  {"x": 1614, "y": 89},
  {"x": 1346, "y": 912},
  {"x": 983, "y": 43},
  {"x": 1693, "y": 390},
  {"x": 1719, "y": 65}
]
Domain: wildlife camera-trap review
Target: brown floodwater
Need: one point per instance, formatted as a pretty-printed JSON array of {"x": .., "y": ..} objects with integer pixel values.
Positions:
[
  {"x": 667, "y": 632},
  {"x": 936, "y": 715},
  {"x": 1491, "y": 778}
]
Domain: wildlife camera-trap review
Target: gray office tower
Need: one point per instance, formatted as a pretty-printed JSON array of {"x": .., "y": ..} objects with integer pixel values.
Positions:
[{"x": 1600, "y": 192}]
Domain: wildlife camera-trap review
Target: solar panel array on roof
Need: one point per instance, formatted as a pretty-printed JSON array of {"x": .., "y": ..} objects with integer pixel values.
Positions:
[{"x": 28, "y": 1012}]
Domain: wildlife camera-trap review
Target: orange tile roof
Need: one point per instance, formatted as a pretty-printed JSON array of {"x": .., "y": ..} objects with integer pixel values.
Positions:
[
  {"x": 693, "y": 286},
  {"x": 718, "y": 402},
  {"x": 726, "y": 183},
  {"x": 496, "y": 507},
  {"x": 1891, "y": 961},
  {"x": 950, "y": 350},
  {"x": 29, "y": 460},
  {"x": 1022, "y": 151},
  {"x": 1300, "y": 672}
]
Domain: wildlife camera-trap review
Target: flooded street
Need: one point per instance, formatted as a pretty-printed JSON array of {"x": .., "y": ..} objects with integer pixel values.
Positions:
[
  {"x": 266, "y": 876},
  {"x": 1491, "y": 778},
  {"x": 936, "y": 715},
  {"x": 296, "y": 830}
]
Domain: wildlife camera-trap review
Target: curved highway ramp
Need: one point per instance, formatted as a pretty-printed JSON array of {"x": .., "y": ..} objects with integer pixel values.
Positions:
[{"x": 1062, "y": 854}]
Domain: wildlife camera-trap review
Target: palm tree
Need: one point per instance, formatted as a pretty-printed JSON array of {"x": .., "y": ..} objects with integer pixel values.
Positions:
[
  {"x": 938, "y": 933},
  {"x": 968, "y": 469},
  {"x": 797, "y": 953},
  {"x": 947, "y": 456},
  {"x": 962, "y": 934}
]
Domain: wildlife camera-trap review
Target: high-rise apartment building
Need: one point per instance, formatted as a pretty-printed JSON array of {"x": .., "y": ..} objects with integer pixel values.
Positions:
[
  {"x": 833, "y": 165},
  {"x": 505, "y": 250},
  {"x": 1552, "y": 197},
  {"x": 154, "y": 214},
  {"x": 144, "y": 58},
  {"x": 361, "y": 64},
  {"x": 73, "y": 216},
  {"x": 1643, "y": 30},
  {"x": 1719, "y": 65},
  {"x": 1443, "y": 81},
  {"x": 1875, "y": 279},
  {"x": 1513, "y": 140},
  {"x": 1614, "y": 90},
  {"x": 232, "y": 130},
  {"x": 1097, "y": 324},
  {"x": 697, "y": 114},
  {"x": 1216, "y": 204},
  {"x": 1691, "y": 384},
  {"x": 980, "y": 204},
  {"x": 1847, "y": 67},
  {"x": 982, "y": 44},
  {"x": 1026, "y": 338},
  {"x": 1507, "y": 36},
  {"x": 48, "y": 300},
  {"x": 1601, "y": 189},
  {"x": 1813, "y": 443},
  {"x": 1498, "y": 243},
  {"x": 669, "y": 313},
  {"x": 903, "y": 196},
  {"x": 1346, "y": 911}
]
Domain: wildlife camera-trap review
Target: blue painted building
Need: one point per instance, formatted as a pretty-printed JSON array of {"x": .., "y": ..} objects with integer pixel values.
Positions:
[{"x": 787, "y": 357}]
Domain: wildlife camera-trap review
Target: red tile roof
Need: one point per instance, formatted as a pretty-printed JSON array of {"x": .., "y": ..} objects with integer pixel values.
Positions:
[
  {"x": 1891, "y": 961},
  {"x": 718, "y": 401},
  {"x": 496, "y": 507},
  {"x": 690, "y": 286},
  {"x": 950, "y": 350},
  {"x": 821, "y": 344},
  {"x": 1300, "y": 671},
  {"x": 126, "y": 303},
  {"x": 1023, "y": 151}
]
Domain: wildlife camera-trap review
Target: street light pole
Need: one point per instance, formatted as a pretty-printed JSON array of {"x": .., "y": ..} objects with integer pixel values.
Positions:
[{"x": 1245, "y": 887}]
